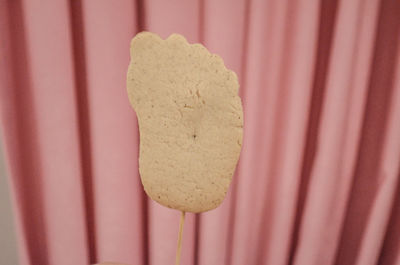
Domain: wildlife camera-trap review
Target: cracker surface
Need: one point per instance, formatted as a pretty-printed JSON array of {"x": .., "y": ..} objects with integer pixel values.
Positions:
[{"x": 190, "y": 121}]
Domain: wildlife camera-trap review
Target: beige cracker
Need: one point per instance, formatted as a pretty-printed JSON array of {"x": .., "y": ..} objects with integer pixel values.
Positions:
[{"x": 190, "y": 120}]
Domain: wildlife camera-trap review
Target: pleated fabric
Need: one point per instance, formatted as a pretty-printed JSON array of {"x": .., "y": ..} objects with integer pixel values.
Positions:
[{"x": 318, "y": 177}]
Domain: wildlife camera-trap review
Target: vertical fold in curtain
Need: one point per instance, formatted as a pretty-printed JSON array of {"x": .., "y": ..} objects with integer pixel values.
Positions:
[
  {"x": 108, "y": 27},
  {"x": 282, "y": 38},
  {"x": 261, "y": 62},
  {"x": 40, "y": 128},
  {"x": 83, "y": 116},
  {"x": 19, "y": 160},
  {"x": 340, "y": 132},
  {"x": 375, "y": 175},
  {"x": 326, "y": 25},
  {"x": 381, "y": 219}
]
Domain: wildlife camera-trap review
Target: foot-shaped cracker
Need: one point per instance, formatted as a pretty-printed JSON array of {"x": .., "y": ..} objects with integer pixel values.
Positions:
[{"x": 190, "y": 120}]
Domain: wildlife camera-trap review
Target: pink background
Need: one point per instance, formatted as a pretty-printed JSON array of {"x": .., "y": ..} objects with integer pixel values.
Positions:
[{"x": 318, "y": 179}]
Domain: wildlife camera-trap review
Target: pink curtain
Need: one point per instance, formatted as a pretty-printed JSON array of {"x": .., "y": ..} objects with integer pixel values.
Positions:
[{"x": 318, "y": 178}]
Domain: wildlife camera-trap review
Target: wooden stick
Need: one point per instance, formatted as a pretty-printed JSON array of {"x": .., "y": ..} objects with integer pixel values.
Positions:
[{"x": 179, "y": 248}]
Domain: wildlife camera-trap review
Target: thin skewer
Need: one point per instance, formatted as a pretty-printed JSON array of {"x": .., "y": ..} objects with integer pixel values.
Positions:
[{"x": 179, "y": 248}]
